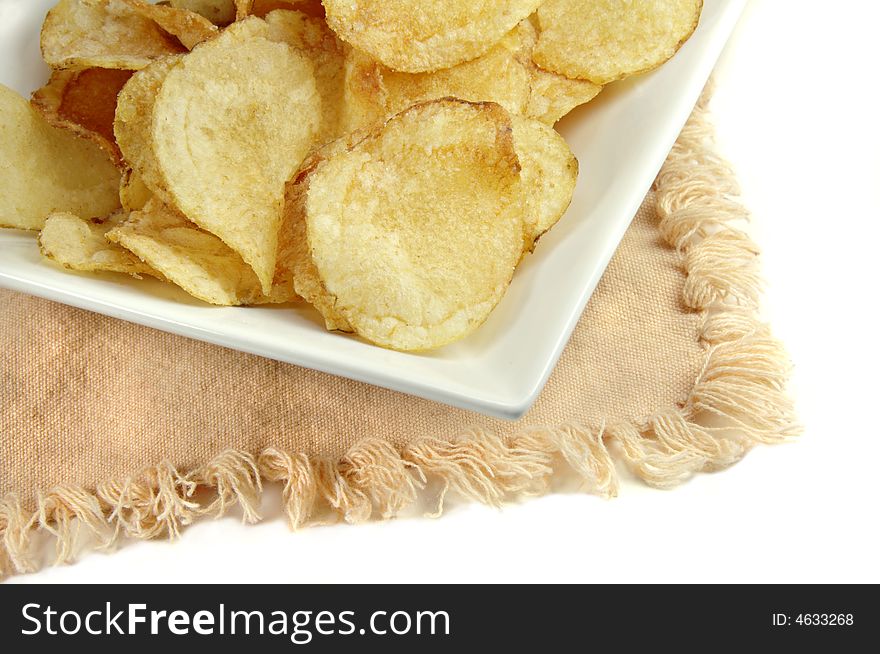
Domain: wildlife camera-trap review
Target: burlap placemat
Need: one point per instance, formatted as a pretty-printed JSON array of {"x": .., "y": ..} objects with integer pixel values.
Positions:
[{"x": 127, "y": 431}]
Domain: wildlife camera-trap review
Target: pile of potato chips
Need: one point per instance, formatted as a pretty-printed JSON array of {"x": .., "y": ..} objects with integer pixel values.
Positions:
[{"x": 388, "y": 162}]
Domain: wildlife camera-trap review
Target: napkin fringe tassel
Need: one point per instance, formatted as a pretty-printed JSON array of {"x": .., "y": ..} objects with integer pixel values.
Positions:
[{"x": 738, "y": 401}]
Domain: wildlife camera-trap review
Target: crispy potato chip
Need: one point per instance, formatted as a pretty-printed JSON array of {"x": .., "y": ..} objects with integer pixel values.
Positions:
[
  {"x": 243, "y": 9},
  {"x": 312, "y": 8},
  {"x": 294, "y": 267},
  {"x": 134, "y": 122},
  {"x": 135, "y": 108},
  {"x": 311, "y": 37},
  {"x": 414, "y": 231},
  {"x": 414, "y": 36},
  {"x": 84, "y": 101},
  {"x": 607, "y": 40},
  {"x": 548, "y": 176},
  {"x": 553, "y": 96},
  {"x": 505, "y": 75},
  {"x": 364, "y": 97},
  {"x": 189, "y": 27},
  {"x": 231, "y": 123},
  {"x": 102, "y": 34},
  {"x": 294, "y": 270},
  {"x": 199, "y": 262},
  {"x": 493, "y": 77},
  {"x": 44, "y": 169},
  {"x": 219, "y": 12},
  {"x": 374, "y": 91},
  {"x": 133, "y": 193},
  {"x": 79, "y": 244}
]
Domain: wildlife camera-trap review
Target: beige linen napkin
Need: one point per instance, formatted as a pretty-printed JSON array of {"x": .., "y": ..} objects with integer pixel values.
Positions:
[{"x": 128, "y": 431}]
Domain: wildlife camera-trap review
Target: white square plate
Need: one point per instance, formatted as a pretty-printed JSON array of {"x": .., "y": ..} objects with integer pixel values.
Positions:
[{"x": 621, "y": 139}]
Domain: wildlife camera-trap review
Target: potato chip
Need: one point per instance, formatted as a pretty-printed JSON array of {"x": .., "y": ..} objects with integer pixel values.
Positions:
[
  {"x": 44, "y": 169},
  {"x": 311, "y": 37},
  {"x": 133, "y": 193},
  {"x": 84, "y": 101},
  {"x": 554, "y": 96},
  {"x": 134, "y": 122},
  {"x": 312, "y": 8},
  {"x": 102, "y": 34},
  {"x": 551, "y": 96},
  {"x": 294, "y": 270},
  {"x": 294, "y": 267},
  {"x": 413, "y": 231},
  {"x": 374, "y": 91},
  {"x": 548, "y": 176},
  {"x": 198, "y": 262},
  {"x": 493, "y": 77},
  {"x": 231, "y": 123},
  {"x": 414, "y": 36},
  {"x": 219, "y": 12},
  {"x": 189, "y": 27},
  {"x": 81, "y": 245},
  {"x": 364, "y": 97},
  {"x": 505, "y": 75},
  {"x": 607, "y": 40},
  {"x": 243, "y": 9}
]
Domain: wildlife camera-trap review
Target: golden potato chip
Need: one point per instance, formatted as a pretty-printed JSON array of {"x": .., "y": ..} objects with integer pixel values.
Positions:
[
  {"x": 219, "y": 12},
  {"x": 294, "y": 267},
  {"x": 553, "y": 96},
  {"x": 548, "y": 176},
  {"x": 363, "y": 97},
  {"x": 198, "y": 262},
  {"x": 84, "y": 101},
  {"x": 414, "y": 36},
  {"x": 312, "y": 38},
  {"x": 243, "y": 8},
  {"x": 493, "y": 77},
  {"x": 294, "y": 270},
  {"x": 312, "y": 8},
  {"x": 102, "y": 34},
  {"x": 374, "y": 91},
  {"x": 505, "y": 75},
  {"x": 414, "y": 231},
  {"x": 231, "y": 123},
  {"x": 44, "y": 169},
  {"x": 607, "y": 40},
  {"x": 189, "y": 27},
  {"x": 133, "y": 193},
  {"x": 135, "y": 108},
  {"x": 82, "y": 245},
  {"x": 134, "y": 122}
]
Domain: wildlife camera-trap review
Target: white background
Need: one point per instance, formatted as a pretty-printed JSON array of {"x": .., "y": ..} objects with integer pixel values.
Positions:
[{"x": 796, "y": 110}]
